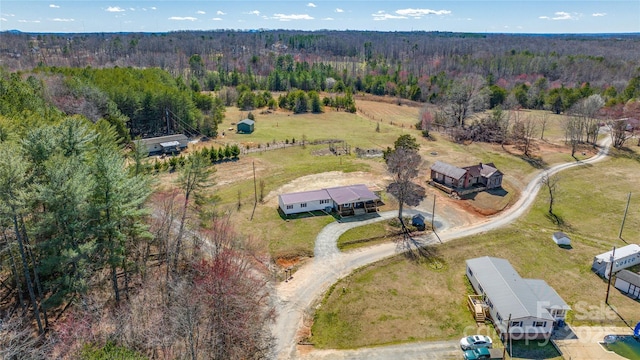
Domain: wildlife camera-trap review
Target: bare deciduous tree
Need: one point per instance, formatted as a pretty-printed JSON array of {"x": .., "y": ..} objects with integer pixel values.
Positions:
[
  {"x": 550, "y": 182},
  {"x": 403, "y": 165},
  {"x": 464, "y": 98}
]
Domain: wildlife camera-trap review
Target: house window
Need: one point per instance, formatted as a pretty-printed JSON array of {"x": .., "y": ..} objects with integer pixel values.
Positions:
[
  {"x": 289, "y": 207},
  {"x": 516, "y": 324},
  {"x": 303, "y": 205},
  {"x": 489, "y": 303},
  {"x": 540, "y": 323},
  {"x": 470, "y": 272},
  {"x": 324, "y": 201},
  {"x": 481, "y": 289},
  {"x": 499, "y": 317}
]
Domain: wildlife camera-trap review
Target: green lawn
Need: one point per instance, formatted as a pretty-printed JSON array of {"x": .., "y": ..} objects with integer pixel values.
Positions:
[{"x": 396, "y": 300}]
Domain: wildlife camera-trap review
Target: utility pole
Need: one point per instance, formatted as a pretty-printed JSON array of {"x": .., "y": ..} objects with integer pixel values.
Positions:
[
  {"x": 612, "y": 259},
  {"x": 626, "y": 210},
  {"x": 508, "y": 338},
  {"x": 255, "y": 191},
  {"x": 433, "y": 213}
]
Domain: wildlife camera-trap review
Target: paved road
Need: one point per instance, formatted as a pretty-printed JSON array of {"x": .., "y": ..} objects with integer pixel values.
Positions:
[{"x": 295, "y": 298}]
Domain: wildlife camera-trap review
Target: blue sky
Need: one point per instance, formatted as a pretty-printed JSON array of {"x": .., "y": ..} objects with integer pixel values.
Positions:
[{"x": 501, "y": 16}]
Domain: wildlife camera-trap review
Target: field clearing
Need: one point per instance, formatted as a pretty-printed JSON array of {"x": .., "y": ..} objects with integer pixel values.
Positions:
[
  {"x": 283, "y": 125},
  {"x": 278, "y": 169},
  {"x": 362, "y": 309}
]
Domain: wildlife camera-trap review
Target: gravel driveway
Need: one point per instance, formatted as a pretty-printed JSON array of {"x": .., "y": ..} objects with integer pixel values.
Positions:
[{"x": 295, "y": 298}]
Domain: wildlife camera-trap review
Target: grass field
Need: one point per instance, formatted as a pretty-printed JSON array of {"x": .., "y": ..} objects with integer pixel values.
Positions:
[
  {"x": 397, "y": 300},
  {"x": 275, "y": 168}
]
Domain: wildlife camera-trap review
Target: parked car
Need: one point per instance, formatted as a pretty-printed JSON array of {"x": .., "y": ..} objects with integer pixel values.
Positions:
[
  {"x": 479, "y": 353},
  {"x": 475, "y": 342}
]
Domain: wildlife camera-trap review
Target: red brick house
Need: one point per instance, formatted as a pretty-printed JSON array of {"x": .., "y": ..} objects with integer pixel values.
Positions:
[{"x": 475, "y": 177}]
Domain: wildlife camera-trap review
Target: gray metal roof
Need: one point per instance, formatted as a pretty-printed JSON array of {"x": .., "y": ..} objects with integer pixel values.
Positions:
[
  {"x": 448, "y": 170},
  {"x": 246, "y": 121},
  {"x": 629, "y": 276},
  {"x": 163, "y": 139},
  {"x": 304, "y": 196},
  {"x": 512, "y": 294},
  {"x": 350, "y": 194},
  {"x": 340, "y": 194}
]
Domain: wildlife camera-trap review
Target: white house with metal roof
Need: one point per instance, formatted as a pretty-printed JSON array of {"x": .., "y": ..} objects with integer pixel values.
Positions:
[
  {"x": 533, "y": 306},
  {"x": 347, "y": 200}
]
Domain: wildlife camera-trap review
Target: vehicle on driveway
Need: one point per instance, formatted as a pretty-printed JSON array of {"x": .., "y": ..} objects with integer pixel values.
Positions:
[
  {"x": 475, "y": 342},
  {"x": 483, "y": 353},
  {"x": 476, "y": 354}
]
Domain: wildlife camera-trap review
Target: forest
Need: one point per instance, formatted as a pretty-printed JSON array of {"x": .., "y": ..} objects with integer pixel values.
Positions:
[{"x": 86, "y": 227}]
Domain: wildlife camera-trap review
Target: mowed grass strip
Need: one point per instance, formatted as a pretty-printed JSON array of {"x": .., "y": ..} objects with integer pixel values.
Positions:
[{"x": 397, "y": 300}]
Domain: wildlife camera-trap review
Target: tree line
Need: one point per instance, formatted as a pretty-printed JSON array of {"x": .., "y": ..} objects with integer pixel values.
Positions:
[{"x": 93, "y": 263}]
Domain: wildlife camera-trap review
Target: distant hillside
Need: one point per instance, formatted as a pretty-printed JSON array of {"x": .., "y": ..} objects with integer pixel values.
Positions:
[{"x": 600, "y": 59}]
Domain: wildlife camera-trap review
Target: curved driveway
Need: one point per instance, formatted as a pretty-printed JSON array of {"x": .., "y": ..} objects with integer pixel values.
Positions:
[{"x": 295, "y": 298}]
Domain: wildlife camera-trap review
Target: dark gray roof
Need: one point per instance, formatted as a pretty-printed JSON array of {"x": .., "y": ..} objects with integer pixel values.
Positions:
[
  {"x": 163, "y": 139},
  {"x": 448, "y": 170},
  {"x": 510, "y": 293},
  {"x": 629, "y": 276}
]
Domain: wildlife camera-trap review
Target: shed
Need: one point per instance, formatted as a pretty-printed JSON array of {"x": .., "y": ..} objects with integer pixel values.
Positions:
[
  {"x": 418, "y": 221},
  {"x": 623, "y": 258},
  {"x": 245, "y": 126},
  {"x": 629, "y": 283},
  {"x": 561, "y": 238}
]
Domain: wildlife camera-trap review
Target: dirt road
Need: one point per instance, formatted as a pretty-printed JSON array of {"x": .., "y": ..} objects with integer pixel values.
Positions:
[{"x": 295, "y": 298}]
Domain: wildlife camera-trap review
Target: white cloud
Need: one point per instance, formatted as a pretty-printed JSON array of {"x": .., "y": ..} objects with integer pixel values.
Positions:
[
  {"x": 54, "y": 6},
  {"x": 560, "y": 15},
  {"x": 328, "y": 19},
  {"x": 29, "y": 21},
  {"x": 200, "y": 12},
  {"x": 62, "y": 20},
  {"x": 283, "y": 17},
  {"x": 154, "y": 8},
  {"x": 599, "y": 14},
  {"x": 3, "y": 19},
  {"x": 220, "y": 13},
  {"x": 216, "y": 19},
  {"x": 381, "y": 15},
  {"x": 416, "y": 13},
  {"x": 132, "y": 9},
  {"x": 338, "y": 10},
  {"x": 254, "y": 12},
  {"x": 183, "y": 18},
  {"x": 311, "y": 5},
  {"x": 115, "y": 9}
]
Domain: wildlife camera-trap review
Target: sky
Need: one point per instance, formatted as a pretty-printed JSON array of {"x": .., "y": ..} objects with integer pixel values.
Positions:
[{"x": 500, "y": 16}]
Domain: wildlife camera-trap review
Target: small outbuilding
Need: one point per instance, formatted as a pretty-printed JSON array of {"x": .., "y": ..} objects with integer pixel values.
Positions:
[
  {"x": 561, "y": 238},
  {"x": 629, "y": 283},
  {"x": 245, "y": 126},
  {"x": 622, "y": 258}
]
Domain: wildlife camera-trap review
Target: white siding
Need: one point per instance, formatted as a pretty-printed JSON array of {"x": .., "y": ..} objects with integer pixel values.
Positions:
[{"x": 305, "y": 206}]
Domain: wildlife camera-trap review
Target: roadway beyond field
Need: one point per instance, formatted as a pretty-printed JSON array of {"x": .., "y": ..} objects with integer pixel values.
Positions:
[{"x": 295, "y": 298}]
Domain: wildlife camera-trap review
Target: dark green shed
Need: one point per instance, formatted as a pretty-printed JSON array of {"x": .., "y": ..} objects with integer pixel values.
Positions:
[{"x": 245, "y": 126}]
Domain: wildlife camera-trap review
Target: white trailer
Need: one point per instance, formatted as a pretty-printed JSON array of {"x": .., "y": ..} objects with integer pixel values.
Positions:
[{"x": 622, "y": 258}]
